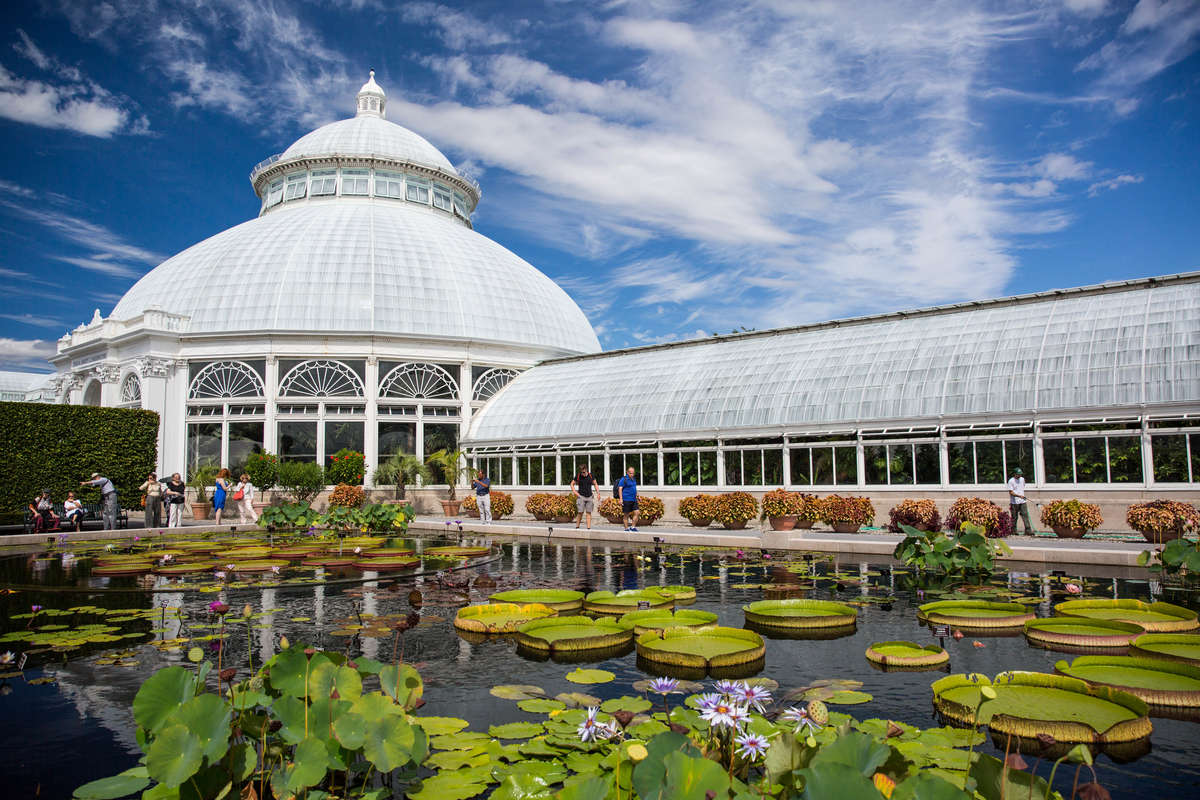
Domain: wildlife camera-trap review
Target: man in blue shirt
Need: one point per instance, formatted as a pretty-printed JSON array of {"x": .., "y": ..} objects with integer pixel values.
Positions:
[
  {"x": 629, "y": 501},
  {"x": 483, "y": 496}
]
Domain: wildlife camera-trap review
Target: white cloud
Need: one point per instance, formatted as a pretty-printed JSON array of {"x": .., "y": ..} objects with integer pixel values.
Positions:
[
  {"x": 457, "y": 29},
  {"x": 82, "y": 108},
  {"x": 27, "y": 48},
  {"x": 1063, "y": 167},
  {"x": 35, "y": 320},
  {"x": 1156, "y": 35},
  {"x": 25, "y": 353},
  {"x": 1087, "y": 8},
  {"x": 1113, "y": 183}
]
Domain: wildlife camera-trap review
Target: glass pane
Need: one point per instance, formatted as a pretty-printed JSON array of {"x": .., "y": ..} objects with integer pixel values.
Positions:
[
  {"x": 397, "y": 437},
  {"x": 962, "y": 461},
  {"x": 708, "y": 468},
  {"x": 1056, "y": 454},
  {"x": 733, "y": 468},
  {"x": 203, "y": 445},
  {"x": 523, "y": 471},
  {"x": 689, "y": 469},
  {"x": 548, "y": 477},
  {"x": 440, "y": 437},
  {"x": 989, "y": 464},
  {"x": 1170, "y": 458},
  {"x": 822, "y": 459},
  {"x": 671, "y": 467},
  {"x": 799, "y": 457},
  {"x": 244, "y": 438},
  {"x": 846, "y": 459},
  {"x": 876, "y": 463},
  {"x": 340, "y": 435},
  {"x": 506, "y": 471},
  {"x": 1194, "y": 441},
  {"x": 649, "y": 476},
  {"x": 298, "y": 441},
  {"x": 1090, "y": 463},
  {"x": 929, "y": 470},
  {"x": 772, "y": 468},
  {"x": 1125, "y": 459},
  {"x": 616, "y": 467},
  {"x": 1019, "y": 454},
  {"x": 752, "y": 467},
  {"x": 900, "y": 464}
]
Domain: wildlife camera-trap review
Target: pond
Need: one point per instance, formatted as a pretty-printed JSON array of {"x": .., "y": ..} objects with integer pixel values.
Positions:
[{"x": 98, "y": 637}]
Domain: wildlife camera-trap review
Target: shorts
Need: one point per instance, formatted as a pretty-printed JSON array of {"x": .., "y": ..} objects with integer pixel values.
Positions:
[
  {"x": 629, "y": 506},
  {"x": 585, "y": 504}
]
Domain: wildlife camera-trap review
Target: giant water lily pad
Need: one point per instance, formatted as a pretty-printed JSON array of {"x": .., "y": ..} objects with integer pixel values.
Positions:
[
  {"x": 1158, "y": 682},
  {"x": 1080, "y": 632},
  {"x": 387, "y": 552},
  {"x": 245, "y": 553},
  {"x": 623, "y": 602},
  {"x": 260, "y": 565},
  {"x": 390, "y": 564},
  {"x": 797, "y": 613},
  {"x": 682, "y": 594},
  {"x": 707, "y": 648},
  {"x": 660, "y": 619},
  {"x": 499, "y": 617},
  {"x": 572, "y": 634},
  {"x": 1153, "y": 617},
  {"x": 907, "y": 654},
  {"x": 1029, "y": 703},
  {"x": 558, "y": 599},
  {"x": 975, "y": 614},
  {"x": 1183, "y": 647},
  {"x": 456, "y": 552}
]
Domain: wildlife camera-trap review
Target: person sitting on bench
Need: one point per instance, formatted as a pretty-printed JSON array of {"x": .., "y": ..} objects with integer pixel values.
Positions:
[
  {"x": 44, "y": 518},
  {"x": 73, "y": 511}
]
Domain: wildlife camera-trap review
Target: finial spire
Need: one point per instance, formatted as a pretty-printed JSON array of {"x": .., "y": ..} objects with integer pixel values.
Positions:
[{"x": 371, "y": 99}]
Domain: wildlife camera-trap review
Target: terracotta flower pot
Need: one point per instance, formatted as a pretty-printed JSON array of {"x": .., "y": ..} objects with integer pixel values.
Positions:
[
  {"x": 201, "y": 510},
  {"x": 701, "y": 522},
  {"x": 845, "y": 527},
  {"x": 1161, "y": 537},
  {"x": 1064, "y": 532},
  {"x": 563, "y": 518},
  {"x": 736, "y": 525},
  {"x": 472, "y": 513},
  {"x": 450, "y": 507},
  {"x": 785, "y": 523},
  {"x": 615, "y": 520},
  {"x": 804, "y": 524}
]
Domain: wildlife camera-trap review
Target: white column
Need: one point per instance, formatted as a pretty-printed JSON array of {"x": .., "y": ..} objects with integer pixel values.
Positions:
[
  {"x": 371, "y": 434},
  {"x": 787, "y": 464},
  {"x": 944, "y": 460},
  {"x": 270, "y": 424},
  {"x": 720, "y": 465},
  {"x": 464, "y": 398},
  {"x": 153, "y": 375},
  {"x": 175, "y": 431}
]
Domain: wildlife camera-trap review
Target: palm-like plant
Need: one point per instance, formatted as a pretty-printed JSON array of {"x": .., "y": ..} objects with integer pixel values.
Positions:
[
  {"x": 452, "y": 464},
  {"x": 400, "y": 469}
]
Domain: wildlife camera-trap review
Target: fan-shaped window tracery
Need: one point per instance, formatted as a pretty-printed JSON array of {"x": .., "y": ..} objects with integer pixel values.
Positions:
[
  {"x": 321, "y": 378},
  {"x": 225, "y": 379},
  {"x": 419, "y": 381},
  {"x": 491, "y": 382}
]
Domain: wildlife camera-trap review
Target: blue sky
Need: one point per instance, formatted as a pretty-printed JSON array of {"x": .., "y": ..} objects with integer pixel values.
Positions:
[{"x": 681, "y": 168}]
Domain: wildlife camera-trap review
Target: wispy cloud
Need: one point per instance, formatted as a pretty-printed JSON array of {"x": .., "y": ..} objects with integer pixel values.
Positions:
[
  {"x": 1113, "y": 183},
  {"x": 25, "y": 354},
  {"x": 35, "y": 321}
]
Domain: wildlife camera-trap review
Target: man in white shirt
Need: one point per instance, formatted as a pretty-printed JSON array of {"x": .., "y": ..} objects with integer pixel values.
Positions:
[{"x": 1017, "y": 503}]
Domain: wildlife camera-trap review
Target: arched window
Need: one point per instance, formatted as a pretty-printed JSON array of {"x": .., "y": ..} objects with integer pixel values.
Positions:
[
  {"x": 491, "y": 382},
  {"x": 91, "y": 394},
  {"x": 420, "y": 381},
  {"x": 131, "y": 391},
  {"x": 225, "y": 379},
  {"x": 321, "y": 378}
]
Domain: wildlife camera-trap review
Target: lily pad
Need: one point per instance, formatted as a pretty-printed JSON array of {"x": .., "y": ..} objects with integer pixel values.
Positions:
[
  {"x": 558, "y": 599},
  {"x": 589, "y": 676},
  {"x": 605, "y": 602},
  {"x": 1183, "y": 647},
  {"x": 540, "y": 705},
  {"x": 389, "y": 564},
  {"x": 1158, "y": 682},
  {"x": 440, "y": 726},
  {"x": 499, "y": 617},
  {"x": 797, "y": 613},
  {"x": 456, "y": 552},
  {"x": 975, "y": 614},
  {"x": 848, "y": 697},
  {"x": 516, "y": 730},
  {"x": 572, "y": 634},
  {"x": 1153, "y": 617},
  {"x": 657, "y": 620},
  {"x": 701, "y": 649},
  {"x": 1029, "y": 703},
  {"x": 1081, "y": 632},
  {"x": 634, "y": 705},
  {"x": 577, "y": 700},
  {"x": 906, "y": 654},
  {"x": 517, "y": 691}
]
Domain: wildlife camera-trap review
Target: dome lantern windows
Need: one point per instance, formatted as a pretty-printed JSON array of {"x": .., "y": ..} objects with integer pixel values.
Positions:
[
  {"x": 389, "y": 184},
  {"x": 275, "y": 193},
  {"x": 324, "y": 182},
  {"x": 297, "y": 186},
  {"x": 418, "y": 191},
  {"x": 356, "y": 181},
  {"x": 441, "y": 197}
]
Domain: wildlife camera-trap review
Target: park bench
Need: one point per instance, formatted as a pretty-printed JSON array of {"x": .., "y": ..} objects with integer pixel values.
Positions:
[{"x": 93, "y": 517}]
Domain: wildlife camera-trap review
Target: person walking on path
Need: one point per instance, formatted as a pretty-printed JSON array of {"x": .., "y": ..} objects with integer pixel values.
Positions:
[
  {"x": 629, "y": 499},
  {"x": 242, "y": 499},
  {"x": 153, "y": 490},
  {"x": 220, "y": 493},
  {"x": 176, "y": 494},
  {"x": 1017, "y": 504},
  {"x": 73, "y": 511},
  {"x": 483, "y": 496},
  {"x": 583, "y": 486},
  {"x": 108, "y": 497}
]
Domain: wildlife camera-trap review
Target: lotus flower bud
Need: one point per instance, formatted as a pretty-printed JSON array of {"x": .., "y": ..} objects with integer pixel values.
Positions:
[
  {"x": 284, "y": 644},
  {"x": 247, "y": 611}
]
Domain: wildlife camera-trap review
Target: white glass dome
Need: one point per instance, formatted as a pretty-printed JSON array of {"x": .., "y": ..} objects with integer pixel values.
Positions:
[
  {"x": 368, "y": 136},
  {"x": 362, "y": 265}
]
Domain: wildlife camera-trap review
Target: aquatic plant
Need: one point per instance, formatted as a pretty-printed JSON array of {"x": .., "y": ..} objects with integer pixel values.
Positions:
[
  {"x": 1178, "y": 557},
  {"x": 967, "y": 552}
]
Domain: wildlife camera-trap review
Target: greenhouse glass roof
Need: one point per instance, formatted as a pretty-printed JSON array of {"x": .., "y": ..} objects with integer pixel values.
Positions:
[{"x": 1130, "y": 344}]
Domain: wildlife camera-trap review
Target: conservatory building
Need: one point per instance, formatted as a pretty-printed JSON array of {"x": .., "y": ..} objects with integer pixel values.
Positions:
[{"x": 359, "y": 309}]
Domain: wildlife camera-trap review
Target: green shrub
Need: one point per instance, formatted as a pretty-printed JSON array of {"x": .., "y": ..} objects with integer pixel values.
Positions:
[
  {"x": 345, "y": 466},
  {"x": 55, "y": 447},
  {"x": 263, "y": 469},
  {"x": 301, "y": 480}
]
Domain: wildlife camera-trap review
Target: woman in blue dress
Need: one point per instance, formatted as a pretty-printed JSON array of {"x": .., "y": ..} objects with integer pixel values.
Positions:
[{"x": 220, "y": 493}]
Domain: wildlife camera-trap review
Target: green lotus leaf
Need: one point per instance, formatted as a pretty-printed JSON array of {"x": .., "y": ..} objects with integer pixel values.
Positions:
[
  {"x": 161, "y": 694},
  {"x": 402, "y": 683},
  {"x": 457, "y": 759},
  {"x": 516, "y": 730},
  {"x": 389, "y": 742},
  {"x": 690, "y": 776},
  {"x": 440, "y": 726},
  {"x": 648, "y": 729},
  {"x": 583, "y": 762},
  {"x": 243, "y": 759},
  {"x": 327, "y": 676},
  {"x": 310, "y": 762},
  {"x": 549, "y": 771},
  {"x": 351, "y": 730},
  {"x": 289, "y": 670},
  {"x": 847, "y": 697},
  {"x": 635, "y": 705},
  {"x": 538, "y": 748},
  {"x": 328, "y": 711},
  {"x": 175, "y": 755},
  {"x": 994, "y": 782},
  {"x": 517, "y": 691},
  {"x": 208, "y": 718},
  {"x": 375, "y": 706},
  {"x": 464, "y": 740},
  {"x": 578, "y": 699},
  {"x": 454, "y": 785},
  {"x": 120, "y": 785},
  {"x": 585, "y": 787},
  {"x": 540, "y": 705},
  {"x": 855, "y": 749},
  {"x": 290, "y": 712},
  {"x": 927, "y": 786},
  {"x": 590, "y": 676}
]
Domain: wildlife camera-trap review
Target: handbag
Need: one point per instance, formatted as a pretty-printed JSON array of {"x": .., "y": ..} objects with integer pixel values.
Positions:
[{"x": 239, "y": 494}]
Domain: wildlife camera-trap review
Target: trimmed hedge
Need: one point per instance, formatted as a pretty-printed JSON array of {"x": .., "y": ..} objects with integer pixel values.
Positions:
[{"x": 55, "y": 447}]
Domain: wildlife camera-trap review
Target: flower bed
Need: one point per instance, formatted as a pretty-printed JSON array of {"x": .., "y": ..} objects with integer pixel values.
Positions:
[
  {"x": 1071, "y": 518},
  {"x": 347, "y": 496},
  {"x": 735, "y": 509},
  {"x": 699, "y": 509},
  {"x": 994, "y": 520},
  {"x": 921, "y": 514},
  {"x": 1162, "y": 520},
  {"x": 847, "y": 514}
]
